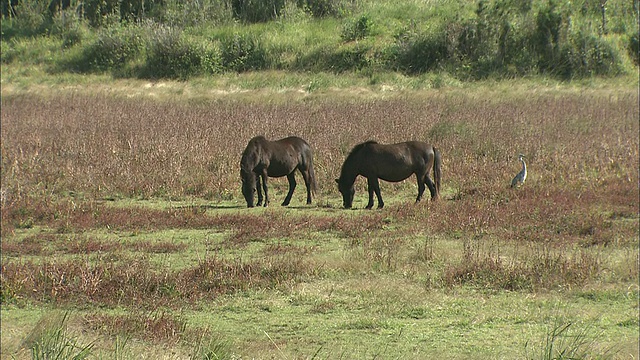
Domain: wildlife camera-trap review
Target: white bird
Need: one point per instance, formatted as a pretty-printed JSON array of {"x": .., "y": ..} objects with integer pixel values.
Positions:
[{"x": 522, "y": 175}]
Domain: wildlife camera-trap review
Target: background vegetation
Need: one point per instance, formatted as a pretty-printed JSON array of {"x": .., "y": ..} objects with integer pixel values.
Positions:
[{"x": 467, "y": 40}]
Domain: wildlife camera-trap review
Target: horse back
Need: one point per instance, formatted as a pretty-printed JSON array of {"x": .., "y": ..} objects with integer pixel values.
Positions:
[{"x": 395, "y": 162}]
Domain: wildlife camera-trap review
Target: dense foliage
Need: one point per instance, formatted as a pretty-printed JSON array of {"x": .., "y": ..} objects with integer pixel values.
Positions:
[{"x": 469, "y": 40}]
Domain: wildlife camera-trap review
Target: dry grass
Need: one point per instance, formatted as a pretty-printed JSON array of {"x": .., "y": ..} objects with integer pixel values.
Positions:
[
  {"x": 573, "y": 225},
  {"x": 134, "y": 147},
  {"x": 133, "y": 281}
]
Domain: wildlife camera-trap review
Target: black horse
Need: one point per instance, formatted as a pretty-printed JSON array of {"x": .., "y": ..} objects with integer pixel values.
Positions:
[
  {"x": 393, "y": 163},
  {"x": 263, "y": 158}
]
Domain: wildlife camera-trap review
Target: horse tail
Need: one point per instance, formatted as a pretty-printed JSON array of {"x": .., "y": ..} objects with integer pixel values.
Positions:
[
  {"x": 437, "y": 169},
  {"x": 312, "y": 177}
]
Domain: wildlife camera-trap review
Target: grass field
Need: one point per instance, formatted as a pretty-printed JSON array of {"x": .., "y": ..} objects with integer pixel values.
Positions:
[{"x": 124, "y": 232}]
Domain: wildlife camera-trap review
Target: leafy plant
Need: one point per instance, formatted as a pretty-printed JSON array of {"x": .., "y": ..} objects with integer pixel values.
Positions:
[
  {"x": 243, "y": 52},
  {"x": 357, "y": 29},
  {"x": 172, "y": 55},
  {"x": 254, "y": 11},
  {"x": 114, "y": 47}
]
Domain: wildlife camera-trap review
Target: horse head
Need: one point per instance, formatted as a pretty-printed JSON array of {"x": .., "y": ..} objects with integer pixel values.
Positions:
[
  {"x": 248, "y": 186},
  {"x": 347, "y": 192}
]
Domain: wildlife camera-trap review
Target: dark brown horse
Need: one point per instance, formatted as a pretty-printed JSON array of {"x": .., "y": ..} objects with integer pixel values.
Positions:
[
  {"x": 263, "y": 158},
  {"x": 393, "y": 163}
]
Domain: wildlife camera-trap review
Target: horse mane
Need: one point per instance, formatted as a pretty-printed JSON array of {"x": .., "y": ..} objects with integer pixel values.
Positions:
[
  {"x": 252, "y": 153},
  {"x": 360, "y": 146}
]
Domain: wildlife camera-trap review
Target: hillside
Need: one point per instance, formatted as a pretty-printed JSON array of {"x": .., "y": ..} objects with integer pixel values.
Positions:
[{"x": 375, "y": 42}]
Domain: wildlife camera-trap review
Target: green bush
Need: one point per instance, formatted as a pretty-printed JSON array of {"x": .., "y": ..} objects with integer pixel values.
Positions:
[
  {"x": 254, "y": 11},
  {"x": 634, "y": 49},
  {"x": 30, "y": 20},
  {"x": 174, "y": 56},
  {"x": 586, "y": 54},
  {"x": 193, "y": 13},
  {"x": 69, "y": 26},
  {"x": 356, "y": 29},
  {"x": 324, "y": 8},
  {"x": 349, "y": 58},
  {"x": 416, "y": 53},
  {"x": 114, "y": 47},
  {"x": 243, "y": 52}
]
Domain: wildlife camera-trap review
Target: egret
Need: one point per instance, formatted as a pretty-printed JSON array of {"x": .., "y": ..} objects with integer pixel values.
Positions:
[{"x": 519, "y": 179}]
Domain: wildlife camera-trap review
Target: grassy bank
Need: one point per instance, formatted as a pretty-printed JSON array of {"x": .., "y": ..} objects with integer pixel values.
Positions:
[{"x": 373, "y": 40}]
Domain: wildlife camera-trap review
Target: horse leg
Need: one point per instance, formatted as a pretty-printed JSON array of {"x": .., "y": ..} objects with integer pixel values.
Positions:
[
  {"x": 431, "y": 186},
  {"x": 374, "y": 187},
  {"x": 264, "y": 187},
  {"x": 292, "y": 186},
  {"x": 259, "y": 190},
  {"x": 421, "y": 187},
  {"x": 307, "y": 183}
]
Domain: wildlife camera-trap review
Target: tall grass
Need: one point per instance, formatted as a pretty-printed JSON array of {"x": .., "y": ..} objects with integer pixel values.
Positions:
[
  {"x": 568, "y": 340},
  {"x": 51, "y": 340}
]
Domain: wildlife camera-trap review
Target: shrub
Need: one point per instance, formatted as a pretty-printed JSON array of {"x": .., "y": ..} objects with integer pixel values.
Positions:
[
  {"x": 194, "y": 13},
  {"x": 546, "y": 38},
  {"x": 174, "y": 56},
  {"x": 30, "y": 20},
  {"x": 350, "y": 58},
  {"x": 324, "y": 8},
  {"x": 114, "y": 47},
  {"x": 243, "y": 52},
  {"x": 254, "y": 11},
  {"x": 585, "y": 54},
  {"x": 69, "y": 26},
  {"x": 356, "y": 29},
  {"x": 416, "y": 53},
  {"x": 634, "y": 49}
]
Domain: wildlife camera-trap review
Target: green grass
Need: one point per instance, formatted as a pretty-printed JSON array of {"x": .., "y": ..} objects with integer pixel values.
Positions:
[
  {"x": 389, "y": 317},
  {"x": 363, "y": 298}
]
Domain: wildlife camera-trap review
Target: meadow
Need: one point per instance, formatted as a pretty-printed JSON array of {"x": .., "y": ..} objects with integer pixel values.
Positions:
[{"x": 125, "y": 235}]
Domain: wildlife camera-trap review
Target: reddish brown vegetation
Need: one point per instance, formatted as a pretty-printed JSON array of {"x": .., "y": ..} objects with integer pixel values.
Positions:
[
  {"x": 62, "y": 157},
  {"x": 133, "y": 281},
  {"x": 159, "y": 327}
]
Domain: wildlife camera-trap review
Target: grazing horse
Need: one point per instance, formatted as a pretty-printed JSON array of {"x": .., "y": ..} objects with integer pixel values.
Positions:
[
  {"x": 263, "y": 158},
  {"x": 393, "y": 163}
]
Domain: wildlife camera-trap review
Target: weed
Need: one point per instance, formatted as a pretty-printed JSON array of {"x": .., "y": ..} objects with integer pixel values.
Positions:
[
  {"x": 568, "y": 340},
  {"x": 51, "y": 340},
  {"x": 211, "y": 347},
  {"x": 155, "y": 326},
  {"x": 357, "y": 29}
]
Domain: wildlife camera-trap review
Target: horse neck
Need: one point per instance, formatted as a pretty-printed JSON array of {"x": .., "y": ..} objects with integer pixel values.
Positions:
[
  {"x": 524, "y": 165},
  {"x": 348, "y": 174},
  {"x": 249, "y": 161}
]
